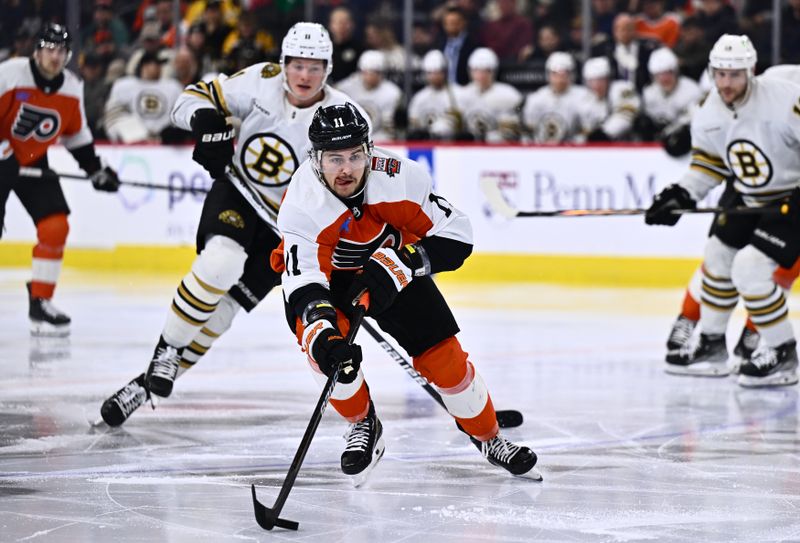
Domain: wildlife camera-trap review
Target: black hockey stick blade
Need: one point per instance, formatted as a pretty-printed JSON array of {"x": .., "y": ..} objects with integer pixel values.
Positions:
[
  {"x": 509, "y": 418},
  {"x": 267, "y": 518}
]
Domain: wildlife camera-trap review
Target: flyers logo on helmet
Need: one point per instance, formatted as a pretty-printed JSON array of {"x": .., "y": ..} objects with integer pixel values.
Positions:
[{"x": 35, "y": 122}]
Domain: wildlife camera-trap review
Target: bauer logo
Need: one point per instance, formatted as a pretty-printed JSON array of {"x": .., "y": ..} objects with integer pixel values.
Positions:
[{"x": 218, "y": 136}]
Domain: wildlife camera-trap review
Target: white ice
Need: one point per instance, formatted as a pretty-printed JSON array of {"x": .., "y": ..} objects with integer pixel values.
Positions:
[{"x": 628, "y": 453}]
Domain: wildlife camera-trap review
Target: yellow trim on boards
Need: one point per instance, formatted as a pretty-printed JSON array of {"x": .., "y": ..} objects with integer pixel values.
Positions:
[{"x": 480, "y": 267}]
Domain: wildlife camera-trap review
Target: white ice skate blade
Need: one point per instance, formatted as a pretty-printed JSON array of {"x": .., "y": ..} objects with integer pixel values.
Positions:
[
  {"x": 532, "y": 475},
  {"x": 45, "y": 329},
  {"x": 361, "y": 478},
  {"x": 700, "y": 369},
  {"x": 780, "y": 379}
]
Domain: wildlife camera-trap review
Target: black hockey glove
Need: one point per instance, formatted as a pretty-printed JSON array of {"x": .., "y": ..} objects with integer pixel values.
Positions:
[
  {"x": 598, "y": 135},
  {"x": 105, "y": 179},
  {"x": 385, "y": 274},
  {"x": 213, "y": 136},
  {"x": 672, "y": 197},
  {"x": 329, "y": 349}
]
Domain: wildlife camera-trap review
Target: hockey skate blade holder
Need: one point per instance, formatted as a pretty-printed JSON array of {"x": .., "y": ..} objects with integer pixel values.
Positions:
[{"x": 269, "y": 517}]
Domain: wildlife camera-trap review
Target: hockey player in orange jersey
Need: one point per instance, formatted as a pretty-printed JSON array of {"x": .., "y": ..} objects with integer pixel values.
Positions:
[
  {"x": 355, "y": 219},
  {"x": 41, "y": 101}
]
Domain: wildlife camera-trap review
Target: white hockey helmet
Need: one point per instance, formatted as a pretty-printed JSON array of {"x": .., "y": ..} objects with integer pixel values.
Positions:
[
  {"x": 662, "y": 60},
  {"x": 559, "y": 62},
  {"x": 371, "y": 61},
  {"x": 733, "y": 52},
  {"x": 483, "y": 58},
  {"x": 307, "y": 40},
  {"x": 434, "y": 61},
  {"x": 596, "y": 68}
]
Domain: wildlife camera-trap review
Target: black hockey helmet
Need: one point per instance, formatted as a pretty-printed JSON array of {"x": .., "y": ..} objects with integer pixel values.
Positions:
[
  {"x": 338, "y": 127},
  {"x": 54, "y": 34}
]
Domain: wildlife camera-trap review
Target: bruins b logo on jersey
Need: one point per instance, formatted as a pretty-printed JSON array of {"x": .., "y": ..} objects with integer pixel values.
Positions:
[
  {"x": 151, "y": 104},
  {"x": 39, "y": 123},
  {"x": 268, "y": 160},
  {"x": 749, "y": 163}
]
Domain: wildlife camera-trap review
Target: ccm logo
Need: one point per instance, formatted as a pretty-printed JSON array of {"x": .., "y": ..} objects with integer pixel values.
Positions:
[{"x": 217, "y": 136}]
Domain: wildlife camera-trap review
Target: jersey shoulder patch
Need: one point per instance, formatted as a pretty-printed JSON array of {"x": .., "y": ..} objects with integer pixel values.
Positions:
[
  {"x": 270, "y": 70},
  {"x": 390, "y": 166}
]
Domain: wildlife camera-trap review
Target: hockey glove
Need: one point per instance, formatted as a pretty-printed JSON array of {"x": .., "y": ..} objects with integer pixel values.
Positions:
[
  {"x": 329, "y": 349},
  {"x": 598, "y": 135},
  {"x": 385, "y": 274},
  {"x": 213, "y": 147},
  {"x": 105, "y": 179},
  {"x": 672, "y": 197}
]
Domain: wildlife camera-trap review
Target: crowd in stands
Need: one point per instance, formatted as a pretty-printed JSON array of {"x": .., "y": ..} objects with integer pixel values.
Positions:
[{"x": 485, "y": 70}]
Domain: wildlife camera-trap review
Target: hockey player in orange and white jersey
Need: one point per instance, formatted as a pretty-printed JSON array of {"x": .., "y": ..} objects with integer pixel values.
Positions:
[
  {"x": 491, "y": 108},
  {"x": 747, "y": 129},
  {"x": 359, "y": 219},
  {"x": 41, "y": 101},
  {"x": 612, "y": 106},
  {"x": 552, "y": 113},
  {"x": 275, "y": 104},
  {"x": 435, "y": 111},
  {"x": 377, "y": 96}
]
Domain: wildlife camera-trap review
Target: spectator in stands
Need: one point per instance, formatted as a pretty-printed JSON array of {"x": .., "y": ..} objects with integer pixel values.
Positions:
[
  {"x": 149, "y": 43},
  {"x": 548, "y": 41},
  {"x": 655, "y": 23},
  {"x": 106, "y": 28},
  {"x": 508, "y": 35},
  {"x": 23, "y": 44},
  {"x": 552, "y": 113},
  {"x": 378, "y": 97},
  {"x": 491, "y": 109},
  {"x": 456, "y": 44},
  {"x": 692, "y": 49},
  {"x": 790, "y": 34},
  {"x": 247, "y": 45},
  {"x": 611, "y": 107},
  {"x": 163, "y": 15},
  {"x": 229, "y": 10},
  {"x": 216, "y": 30},
  {"x": 553, "y": 13},
  {"x": 378, "y": 35},
  {"x": 184, "y": 67},
  {"x": 717, "y": 18},
  {"x": 95, "y": 92},
  {"x": 435, "y": 111},
  {"x": 627, "y": 54},
  {"x": 196, "y": 43},
  {"x": 603, "y": 14},
  {"x": 346, "y": 48},
  {"x": 138, "y": 107}
]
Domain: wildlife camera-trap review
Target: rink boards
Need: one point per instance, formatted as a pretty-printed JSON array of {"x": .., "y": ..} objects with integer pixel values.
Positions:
[{"x": 153, "y": 230}]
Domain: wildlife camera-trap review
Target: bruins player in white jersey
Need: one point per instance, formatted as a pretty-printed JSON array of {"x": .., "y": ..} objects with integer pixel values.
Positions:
[
  {"x": 491, "y": 109},
  {"x": 748, "y": 128},
  {"x": 552, "y": 113},
  {"x": 377, "y": 96},
  {"x": 358, "y": 219},
  {"x": 434, "y": 112},
  {"x": 612, "y": 106},
  {"x": 275, "y": 103}
]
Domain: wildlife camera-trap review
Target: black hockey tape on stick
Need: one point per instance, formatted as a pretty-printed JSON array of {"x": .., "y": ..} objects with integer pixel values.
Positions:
[
  {"x": 37, "y": 172},
  {"x": 498, "y": 204},
  {"x": 268, "y": 517},
  {"x": 506, "y": 418}
]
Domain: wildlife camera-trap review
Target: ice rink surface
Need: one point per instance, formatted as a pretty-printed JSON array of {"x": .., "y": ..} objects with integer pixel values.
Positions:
[{"x": 628, "y": 453}]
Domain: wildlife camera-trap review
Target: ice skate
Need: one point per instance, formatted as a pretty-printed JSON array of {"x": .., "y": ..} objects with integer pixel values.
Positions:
[
  {"x": 770, "y": 366},
  {"x": 516, "y": 459},
  {"x": 163, "y": 369},
  {"x": 747, "y": 344},
  {"x": 705, "y": 357},
  {"x": 117, "y": 408},
  {"x": 681, "y": 333},
  {"x": 364, "y": 447},
  {"x": 46, "y": 319}
]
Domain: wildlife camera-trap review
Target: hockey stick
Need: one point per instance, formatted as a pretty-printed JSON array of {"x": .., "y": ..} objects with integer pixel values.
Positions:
[
  {"x": 267, "y": 517},
  {"x": 506, "y": 418},
  {"x": 38, "y": 173},
  {"x": 500, "y": 205}
]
